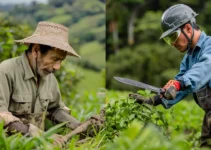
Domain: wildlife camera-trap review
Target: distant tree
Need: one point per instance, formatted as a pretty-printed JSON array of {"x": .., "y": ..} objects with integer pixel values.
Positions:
[
  {"x": 60, "y": 3},
  {"x": 9, "y": 31}
]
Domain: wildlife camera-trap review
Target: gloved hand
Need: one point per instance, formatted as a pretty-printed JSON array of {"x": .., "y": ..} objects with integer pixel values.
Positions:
[
  {"x": 138, "y": 98},
  {"x": 34, "y": 131},
  {"x": 17, "y": 126},
  {"x": 154, "y": 100},
  {"x": 59, "y": 140},
  {"x": 171, "y": 89},
  {"x": 174, "y": 83}
]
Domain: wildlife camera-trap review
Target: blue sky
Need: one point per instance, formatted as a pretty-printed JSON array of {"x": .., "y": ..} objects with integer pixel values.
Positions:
[{"x": 20, "y": 1}]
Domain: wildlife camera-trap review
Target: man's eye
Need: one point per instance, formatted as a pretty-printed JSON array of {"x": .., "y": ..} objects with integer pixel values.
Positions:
[{"x": 55, "y": 59}]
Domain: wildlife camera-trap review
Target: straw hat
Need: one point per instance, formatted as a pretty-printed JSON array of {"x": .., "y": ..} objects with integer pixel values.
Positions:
[{"x": 51, "y": 34}]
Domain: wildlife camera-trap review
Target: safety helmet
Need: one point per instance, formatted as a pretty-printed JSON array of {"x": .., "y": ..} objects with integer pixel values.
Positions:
[{"x": 176, "y": 16}]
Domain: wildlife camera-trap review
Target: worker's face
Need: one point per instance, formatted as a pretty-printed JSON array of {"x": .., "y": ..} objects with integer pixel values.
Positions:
[
  {"x": 181, "y": 42},
  {"x": 49, "y": 62}
]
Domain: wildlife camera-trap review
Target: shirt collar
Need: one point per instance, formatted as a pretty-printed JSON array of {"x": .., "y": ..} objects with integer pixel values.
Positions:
[
  {"x": 199, "y": 43},
  {"x": 26, "y": 67},
  {"x": 201, "y": 39},
  {"x": 28, "y": 74}
]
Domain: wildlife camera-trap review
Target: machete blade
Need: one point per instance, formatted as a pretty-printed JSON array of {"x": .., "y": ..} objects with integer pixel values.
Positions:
[{"x": 138, "y": 84}]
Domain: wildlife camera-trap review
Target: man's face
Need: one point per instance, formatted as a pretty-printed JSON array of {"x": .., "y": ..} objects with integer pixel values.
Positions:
[
  {"x": 50, "y": 62},
  {"x": 182, "y": 42}
]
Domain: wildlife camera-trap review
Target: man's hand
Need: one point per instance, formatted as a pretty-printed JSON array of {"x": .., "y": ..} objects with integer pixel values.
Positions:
[
  {"x": 89, "y": 127},
  {"x": 95, "y": 126},
  {"x": 154, "y": 100},
  {"x": 98, "y": 119},
  {"x": 34, "y": 131},
  {"x": 59, "y": 140},
  {"x": 16, "y": 126},
  {"x": 174, "y": 83},
  {"x": 138, "y": 98},
  {"x": 171, "y": 89}
]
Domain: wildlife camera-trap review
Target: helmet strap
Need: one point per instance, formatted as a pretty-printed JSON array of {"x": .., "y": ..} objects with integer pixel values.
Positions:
[{"x": 189, "y": 40}]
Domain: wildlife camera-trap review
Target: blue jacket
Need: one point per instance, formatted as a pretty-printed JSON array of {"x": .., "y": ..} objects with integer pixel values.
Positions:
[{"x": 195, "y": 70}]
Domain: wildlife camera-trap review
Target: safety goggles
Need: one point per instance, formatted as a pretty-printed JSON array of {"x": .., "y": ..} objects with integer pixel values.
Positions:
[{"x": 171, "y": 38}]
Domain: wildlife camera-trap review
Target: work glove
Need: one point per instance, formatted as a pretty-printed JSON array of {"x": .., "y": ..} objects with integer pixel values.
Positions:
[
  {"x": 59, "y": 140},
  {"x": 16, "y": 126},
  {"x": 154, "y": 100},
  {"x": 171, "y": 89}
]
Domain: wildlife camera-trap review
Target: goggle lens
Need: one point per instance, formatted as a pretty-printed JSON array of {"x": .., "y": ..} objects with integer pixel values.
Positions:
[{"x": 171, "y": 38}]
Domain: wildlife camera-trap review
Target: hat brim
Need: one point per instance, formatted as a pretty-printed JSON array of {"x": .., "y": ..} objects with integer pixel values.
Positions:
[
  {"x": 53, "y": 42},
  {"x": 166, "y": 33}
]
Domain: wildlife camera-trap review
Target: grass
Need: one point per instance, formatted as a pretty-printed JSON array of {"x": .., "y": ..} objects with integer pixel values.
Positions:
[
  {"x": 94, "y": 53},
  {"x": 91, "y": 82}
]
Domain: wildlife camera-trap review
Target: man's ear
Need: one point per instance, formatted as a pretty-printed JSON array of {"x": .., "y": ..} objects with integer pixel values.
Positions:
[
  {"x": 189, "y": 28},
  {"x": 35, "y": 50}
]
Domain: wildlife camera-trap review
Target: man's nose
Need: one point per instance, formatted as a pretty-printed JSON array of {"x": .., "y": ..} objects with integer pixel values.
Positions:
[{"x": 57, "y": 65}]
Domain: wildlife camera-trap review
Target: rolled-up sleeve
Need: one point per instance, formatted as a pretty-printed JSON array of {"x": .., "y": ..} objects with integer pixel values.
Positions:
[
  {"x": 5, "y": 88},
  {"x": 180, "y": 95},
  {"x": 199, "y": 74},
  {"x": 183, "y": 68}
]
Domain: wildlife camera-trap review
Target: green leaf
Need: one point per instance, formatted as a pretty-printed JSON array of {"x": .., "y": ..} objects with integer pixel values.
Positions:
[{"x": 53, "y": 130}]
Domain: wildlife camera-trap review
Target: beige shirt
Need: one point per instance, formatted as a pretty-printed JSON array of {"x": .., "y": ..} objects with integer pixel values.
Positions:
[{"x": 20, "y": 95}]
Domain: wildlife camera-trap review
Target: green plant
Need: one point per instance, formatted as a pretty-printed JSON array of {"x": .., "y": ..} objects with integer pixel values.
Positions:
[
  {"x": 122, "y": 112},
  {"x": 152, "y": 127}
]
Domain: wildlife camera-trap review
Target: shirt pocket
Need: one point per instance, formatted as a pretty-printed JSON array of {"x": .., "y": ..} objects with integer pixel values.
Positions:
[
  {"x": 20, "y": 103},
  {"x": 44, "y": 99}
]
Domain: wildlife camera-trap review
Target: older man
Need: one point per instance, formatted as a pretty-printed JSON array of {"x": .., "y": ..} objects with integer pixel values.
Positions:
[{"x": 28, "y": 89}]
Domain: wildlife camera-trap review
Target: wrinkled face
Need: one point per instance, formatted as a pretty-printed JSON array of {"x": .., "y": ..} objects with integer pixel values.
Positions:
[
  {"x": 182, "y": 42},
  {"x": 50, "y": 62}
]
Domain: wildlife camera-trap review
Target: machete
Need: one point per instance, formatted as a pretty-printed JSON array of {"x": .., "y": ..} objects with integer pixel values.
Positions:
[
  {"x": 167, "y": 94},
  {"x": 139, "y": 84}
]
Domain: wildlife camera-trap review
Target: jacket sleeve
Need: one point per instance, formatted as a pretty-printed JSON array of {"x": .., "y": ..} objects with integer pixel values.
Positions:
[
  {"x": 199, "y": 74},
  {"x": 5, "y": 90},
  {"x": 183, "y": 68},
  {"x": 181, "y": 94}
]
